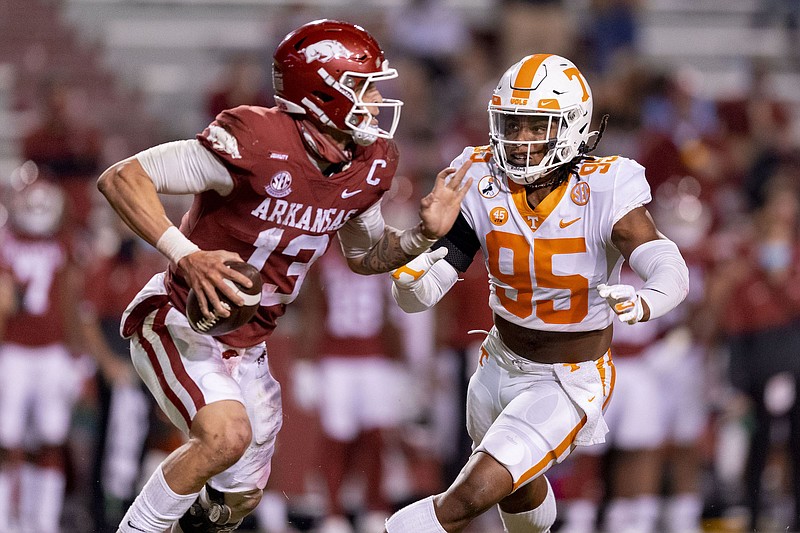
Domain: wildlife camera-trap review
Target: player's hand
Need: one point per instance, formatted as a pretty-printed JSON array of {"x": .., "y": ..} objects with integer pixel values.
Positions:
[
  {"x": 410, "y": 275},
  {"x": 439, "y": 209},
  {"x": 206, "y": 272},
  {"x": 624, "y": 301}
]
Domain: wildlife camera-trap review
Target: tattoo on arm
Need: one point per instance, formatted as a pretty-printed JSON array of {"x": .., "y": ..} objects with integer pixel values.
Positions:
[{"x": 386, "y": 255}]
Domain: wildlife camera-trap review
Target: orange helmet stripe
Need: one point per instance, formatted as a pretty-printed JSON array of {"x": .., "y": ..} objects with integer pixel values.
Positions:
[{"x": 525, "y": 75}]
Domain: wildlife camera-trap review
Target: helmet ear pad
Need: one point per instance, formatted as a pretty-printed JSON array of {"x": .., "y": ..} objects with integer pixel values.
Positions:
[
  {"x": 324, "y": 69},
  {"x": 546, "y": 86}
]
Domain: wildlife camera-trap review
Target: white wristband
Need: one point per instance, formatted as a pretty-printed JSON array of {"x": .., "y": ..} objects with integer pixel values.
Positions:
[
  {"x": 175, "y": 245},
  {"x": 413, "y": 242}
]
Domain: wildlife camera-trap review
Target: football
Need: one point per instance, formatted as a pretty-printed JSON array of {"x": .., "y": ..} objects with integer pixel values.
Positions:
[{"x": 240, "y": 315}]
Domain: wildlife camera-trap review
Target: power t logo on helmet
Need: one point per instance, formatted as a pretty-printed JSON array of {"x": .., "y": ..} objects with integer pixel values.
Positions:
[
  {"x": 326, "y": 70},
  {"x": 545, "y": 94}
]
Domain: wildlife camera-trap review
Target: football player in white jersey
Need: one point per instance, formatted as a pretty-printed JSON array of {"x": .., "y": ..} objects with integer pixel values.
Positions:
[{"x": 554, "y": 225}]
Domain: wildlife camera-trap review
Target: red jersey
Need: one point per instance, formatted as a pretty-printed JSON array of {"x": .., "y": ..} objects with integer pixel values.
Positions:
[
  {"x": 38, "y": 267},
  {"x": 282, "y": 210},
  {"x": 114, "y": 281},
  {"x": 759, "y": 303},
  {"x": 355, "y": 307}
]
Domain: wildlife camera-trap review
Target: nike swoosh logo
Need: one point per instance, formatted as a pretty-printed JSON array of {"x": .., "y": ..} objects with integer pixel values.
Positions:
[
  {"x": 591, "y": 399},
  {"x": 348, "y": 194},
  {"x": 563, "y": 224},
  {"x": 136, "y": 528}
]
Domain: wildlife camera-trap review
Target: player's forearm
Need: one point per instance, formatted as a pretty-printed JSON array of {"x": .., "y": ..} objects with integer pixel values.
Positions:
[
  {"x": 386, "y": 255},
  {"x": 131, "y": 193}
]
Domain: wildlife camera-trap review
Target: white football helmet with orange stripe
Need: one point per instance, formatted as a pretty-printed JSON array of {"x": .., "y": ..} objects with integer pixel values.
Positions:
[{"x": 542, "y": 86}]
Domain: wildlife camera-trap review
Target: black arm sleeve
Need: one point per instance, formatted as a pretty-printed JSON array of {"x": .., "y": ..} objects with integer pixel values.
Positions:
[{"x": 462, "y": 244}]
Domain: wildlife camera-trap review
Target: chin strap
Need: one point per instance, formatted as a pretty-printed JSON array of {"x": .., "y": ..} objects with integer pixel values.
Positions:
[{"x": 320, "y": 145}]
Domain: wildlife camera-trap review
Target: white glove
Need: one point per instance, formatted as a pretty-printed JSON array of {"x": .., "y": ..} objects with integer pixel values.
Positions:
[
  {"x": 413, "y": 290},
  {"x": 624, "y": 301},
  {"x": 409, "y": 275}
]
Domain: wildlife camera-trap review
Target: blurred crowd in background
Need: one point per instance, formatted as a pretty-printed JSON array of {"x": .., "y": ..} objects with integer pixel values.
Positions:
[{"x": 705, "y": 429}]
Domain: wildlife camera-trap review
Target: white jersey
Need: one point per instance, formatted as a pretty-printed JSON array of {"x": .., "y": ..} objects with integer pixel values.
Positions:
[{"x": 545, "y": 264}]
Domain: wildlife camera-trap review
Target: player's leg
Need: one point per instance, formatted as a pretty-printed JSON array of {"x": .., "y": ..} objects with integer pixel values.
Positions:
[
  {"x": 584, "y": 488},
  {"x": 639, "y": 431},
  {"x": 384, "y": 385},
  {"x": 338, "y": 416},
  {"x": 220, "y": 434},
  {"x": 481, "y": 470},
  {"x": 537, "y": 428},
  {"x": 534, "y": 430},
  {"x": 187, "y": 376},
  {"x": 17, "y": 378},
  {"x": 685, "y": 393},
  {"x": 530, "y": 509},
  {"x": 43, "y": 482},
  {"x": 234, "y": 493},
  {"x": 486, "y": 481},
  {"x": 481, "y": 484}
]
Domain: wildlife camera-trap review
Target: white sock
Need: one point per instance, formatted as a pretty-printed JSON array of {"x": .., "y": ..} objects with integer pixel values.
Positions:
[
  {"x": 272, "y": 513},
  {"x": 581, "y": 516},
  {"x": 156, "y": 507},
  {"x": 419, "y": 517},
  {"x": 619, "y": 515},
  {"x": 537, "y": 520},
  {"x": 5, "y": 495},
  {"x": 43, "y": 496},
  {"x": 683, "y": 513},
  {"x": 644, "y": 513}
]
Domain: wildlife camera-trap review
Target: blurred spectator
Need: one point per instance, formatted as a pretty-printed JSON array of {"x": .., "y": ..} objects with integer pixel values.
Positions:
[
  {"x": 526, "y": 25},
  {"x": 430, "y": 32},
  {"x": 244, "y": 82},
  {"x": 66, "y": 146},
  {"x": 360, "y": 364},
  {"x": 611, "y": 31},
  {"x": 757, "y": 301},
  {"x": 758, "y": 128}
]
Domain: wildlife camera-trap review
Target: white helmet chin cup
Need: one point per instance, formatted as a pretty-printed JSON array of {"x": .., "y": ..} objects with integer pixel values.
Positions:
[{"x": 543, "y": 87}]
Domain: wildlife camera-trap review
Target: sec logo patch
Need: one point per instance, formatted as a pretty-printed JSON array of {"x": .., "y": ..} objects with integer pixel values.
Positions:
[
  {"x": 280, "y": 185},
  {"x": 580, "y": 193},
  {"x": 498, "y": 216}
]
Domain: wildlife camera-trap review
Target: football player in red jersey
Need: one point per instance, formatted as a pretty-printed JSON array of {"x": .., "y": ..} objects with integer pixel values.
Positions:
[
  {"x": 39, "y": 380},
  {"x": 271, "y": 187}
]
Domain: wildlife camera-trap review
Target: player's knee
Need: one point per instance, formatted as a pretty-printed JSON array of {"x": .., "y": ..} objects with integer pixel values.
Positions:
[
  {"x": 222, "y": 440},
  {"x": 466, "y": 500},
  {"x": 227, "y": 446}
]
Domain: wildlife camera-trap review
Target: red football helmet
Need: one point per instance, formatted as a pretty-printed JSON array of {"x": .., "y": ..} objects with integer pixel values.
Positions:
[{"x": 324, "y": 68}]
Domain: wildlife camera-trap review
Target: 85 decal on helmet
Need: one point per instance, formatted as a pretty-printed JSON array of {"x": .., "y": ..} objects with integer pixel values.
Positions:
[{"x": 239, "y": 314}]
